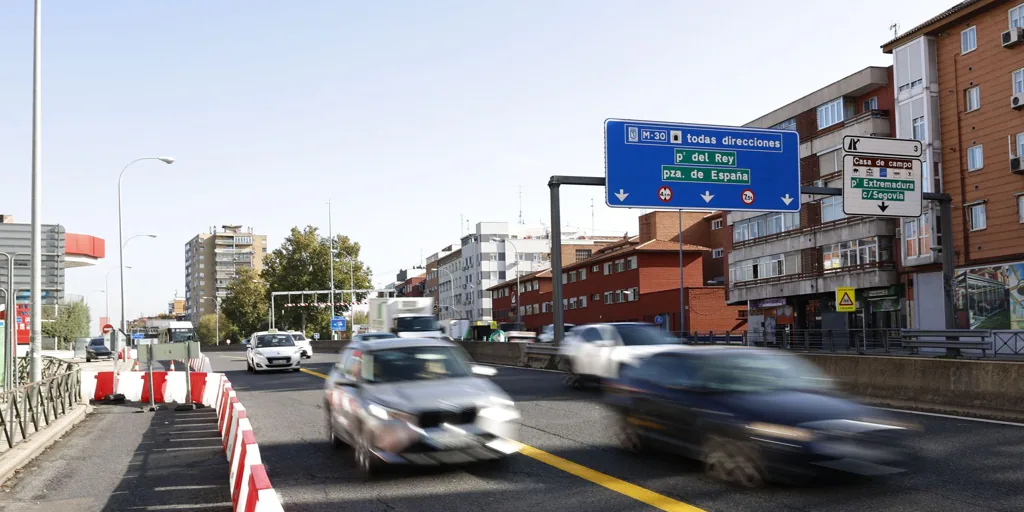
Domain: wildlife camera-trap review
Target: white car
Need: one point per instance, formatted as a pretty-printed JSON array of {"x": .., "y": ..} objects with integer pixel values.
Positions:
[
  {"x": 547, "y": 334},
  {"x": 272, "y": 350},
  {"x": 597, "y": 352},
  {"x": 303, "y": 343}
]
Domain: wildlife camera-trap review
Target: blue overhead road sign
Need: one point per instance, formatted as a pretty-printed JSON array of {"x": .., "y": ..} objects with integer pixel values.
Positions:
[
  {"x": 137, "y": 335},
  {"x": 338, "y": 323},
  {"x": 656, "y": 165}
]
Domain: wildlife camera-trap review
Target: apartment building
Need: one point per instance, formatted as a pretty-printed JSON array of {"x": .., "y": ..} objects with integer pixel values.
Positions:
[
  {"x": 959, "y": 80},
  {"x": 431, "y": 285},
  {"x": 633, "y": 279},
  {"x": 411, "y": 282},
  {"x": 452, "y": 297},
  {"x": 785, "y": 267},
  {"x": 212, "y": 261}
]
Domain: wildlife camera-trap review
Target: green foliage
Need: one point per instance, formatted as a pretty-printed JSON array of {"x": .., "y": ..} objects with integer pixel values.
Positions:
[
  {"x": 360, "y": 318},
  {"x": 207, "y": 329},
  {"x": 247, "y": 303},
  {"x": 69, "y": 321},
  {"x": 303, "y": 263}
]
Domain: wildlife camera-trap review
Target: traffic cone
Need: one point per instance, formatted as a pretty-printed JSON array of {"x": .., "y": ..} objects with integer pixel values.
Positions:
[{"x": 171, "y": 368}]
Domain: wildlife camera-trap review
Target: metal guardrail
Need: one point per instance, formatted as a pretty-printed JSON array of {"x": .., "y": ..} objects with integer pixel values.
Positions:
[
  {"x": 52, "y": 366},
  {"x": 542, "y": 349},
  {"x": 27, "y": 409}
]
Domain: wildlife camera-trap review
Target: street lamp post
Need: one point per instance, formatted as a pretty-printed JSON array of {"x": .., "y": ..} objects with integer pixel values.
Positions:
[
  {"x": 330, "y": 232},
  {"x": 519, "y": 291},
  {"x": 36, "y": 276},
  {"x": 106, "y": 289},
  {"x": 120, "y": 223}
]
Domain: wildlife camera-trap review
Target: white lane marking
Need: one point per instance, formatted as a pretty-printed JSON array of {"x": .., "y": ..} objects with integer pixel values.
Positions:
[
  {"x": 186, "y": 487},
  {"x": 935, "y": 414},
  {"x": 190, "y": 506},
  {"x": 952, "y": 417}
]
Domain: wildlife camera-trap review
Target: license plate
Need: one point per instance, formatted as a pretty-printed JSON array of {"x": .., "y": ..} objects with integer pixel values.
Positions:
[{"x": 452, "y": 440}]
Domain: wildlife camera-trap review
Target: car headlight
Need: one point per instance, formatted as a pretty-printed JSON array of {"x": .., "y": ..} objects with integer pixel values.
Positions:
[
  {"x": 781, "y": 431},
  {"x": 502, "y": 401},
  {"x": 257, "y": 353},
  {"x": 386, "y": 414}
]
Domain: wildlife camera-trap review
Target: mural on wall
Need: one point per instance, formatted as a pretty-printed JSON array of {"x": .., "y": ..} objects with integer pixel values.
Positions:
[{"x": 990, "y": 297}]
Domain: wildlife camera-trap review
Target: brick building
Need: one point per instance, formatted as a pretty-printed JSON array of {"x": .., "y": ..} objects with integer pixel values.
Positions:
[
  {"x": 960, "y": 90},
  {"x": 786, "y": 266},
  {"x": 634, "y": 279}
]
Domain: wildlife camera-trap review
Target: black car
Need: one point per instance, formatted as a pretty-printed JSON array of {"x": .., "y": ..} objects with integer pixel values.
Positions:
[
  {"x": 752, "y": 415},
  {"x": 97, "y": 349}
]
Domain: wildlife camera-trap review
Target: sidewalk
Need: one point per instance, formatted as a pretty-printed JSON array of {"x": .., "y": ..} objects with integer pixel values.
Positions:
[{"x": 121, "y": 459}]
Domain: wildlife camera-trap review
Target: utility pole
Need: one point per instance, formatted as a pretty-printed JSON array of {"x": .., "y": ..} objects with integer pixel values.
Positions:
[
  {"x": 36, "y": 333},
  {"x": 330, "y": 229}
]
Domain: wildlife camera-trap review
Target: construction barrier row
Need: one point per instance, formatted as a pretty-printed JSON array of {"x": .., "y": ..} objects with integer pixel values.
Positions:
[
  {"x": 170, "y": 387},
  {"x": 250, "y": 487},
  {"x": 200, "y": 364}
]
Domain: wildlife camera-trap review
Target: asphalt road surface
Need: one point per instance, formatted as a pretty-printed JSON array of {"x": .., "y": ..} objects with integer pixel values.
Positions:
[{"x": 571, "y": 461}]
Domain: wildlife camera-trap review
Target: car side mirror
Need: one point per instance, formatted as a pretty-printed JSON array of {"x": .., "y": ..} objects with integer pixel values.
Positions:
[{"x": 483, "y": 371}]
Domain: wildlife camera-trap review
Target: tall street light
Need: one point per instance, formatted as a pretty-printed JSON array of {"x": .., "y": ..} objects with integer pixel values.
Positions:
[
  {"x": 125, "y": 244},
  {"x": 106, "y": 289},
  {"x": 36, "y": 277},
  {"x": 519, "y": 291},
  {"x": 120, "y": 223},
  {"x": 330, "y": 232}
]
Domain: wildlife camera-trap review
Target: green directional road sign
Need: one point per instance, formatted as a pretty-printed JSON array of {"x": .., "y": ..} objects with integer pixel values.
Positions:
[
  {"x": 882, "y": 185},
  {"x": 695, "y": 174}
]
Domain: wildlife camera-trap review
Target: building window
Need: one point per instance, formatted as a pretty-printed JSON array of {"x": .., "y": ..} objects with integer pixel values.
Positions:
[
  {"x": 917, "y": 126},
  {"x": 975, "y": 158},
  {"x": 968, "y": 40},
  {"x": 977, "y": 214},
  {"x": 619, "y": 297},
  {"x": 583, "y": 301},
  {"x": 855, "y": 252},
  {"x": 1017, "y": 16},
  {"x": 572, "y": 303},
  {"x": 608, "y": 296},
  {"x": 631, "y": 263},
  {"x": 620, "y": 265},
  {"x": 1018, "y": 81},
  {"x": 565, "y": 278},
  {"x": 788, "y": 124},
  {"x": 716, "y": 224},
  {"x": 972, "y": 99},
  {"x": 1020, "y": 208},
  {"x": 572, "y": 276},
  {"x": 582, "y": 254},
  {"x": 1020, "y": 144},
  {"x": 830, "y": 113},
  {"x": 536, "y": 284},
  {"x": 871, "y": 104},
  {"x": 832, "y": 209},
  {"x": 608, "y": 268},
  {"x": 596, "y": 297},
  {"x": 595, "y": 269},
  {"x": 764, "y": 225},
  {"x": 717, "y": 253},
  {"x": 583, "y": 274}
]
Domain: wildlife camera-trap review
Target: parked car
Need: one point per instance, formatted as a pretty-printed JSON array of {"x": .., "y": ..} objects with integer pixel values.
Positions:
[
  {"x": 416, "y": 401},
  {"x": 597, "y": 352},
  {"x": 97, "y": 349},
  {"x": 752, "y": 415}
]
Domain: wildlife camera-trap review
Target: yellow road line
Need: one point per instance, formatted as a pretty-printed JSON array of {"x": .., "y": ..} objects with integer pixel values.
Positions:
[
  {"x": 658, "y": 501},
  {"x": 311, "y": 372}
]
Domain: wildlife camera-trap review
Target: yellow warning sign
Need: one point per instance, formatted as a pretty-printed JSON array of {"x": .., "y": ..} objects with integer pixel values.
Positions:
[{"x": 846, "y": 299}]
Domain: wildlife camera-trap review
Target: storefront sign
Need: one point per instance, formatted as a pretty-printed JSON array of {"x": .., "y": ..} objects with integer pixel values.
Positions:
[{"x": 768, "y": 303}]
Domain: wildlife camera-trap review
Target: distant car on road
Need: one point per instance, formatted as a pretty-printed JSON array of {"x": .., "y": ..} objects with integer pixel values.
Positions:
[
  {"x": 752, "y": 415},
  {"x": 416, "y": 401},
  {"x": 272, "y": 350},
  {"x": 597, "y": 352},
  {"x": 370, "y": 336},
  {"x": 97, "y": 349},
  {"x": 303, "y": 343},
  {"x": 547, "y": 333}
]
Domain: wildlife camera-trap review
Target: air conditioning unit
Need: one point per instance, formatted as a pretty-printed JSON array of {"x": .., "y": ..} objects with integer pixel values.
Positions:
[
  {"x": 1017, "y": 101},
  {"x": 1016, "y": 165},
  {"x": 1013, "y": 36}
]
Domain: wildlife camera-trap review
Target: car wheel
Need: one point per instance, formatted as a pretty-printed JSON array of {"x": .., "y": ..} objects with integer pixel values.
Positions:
[
  {"x": 572, "y": 379},
  {"x": 629, "y": 435},
  {"x": 248, "y": 366},
  {"x": 88, "y": 359},
  {"x": 336, "y": 441},
  {"x": 364, "y": 458},
  {"x": 733, "y": 462}
]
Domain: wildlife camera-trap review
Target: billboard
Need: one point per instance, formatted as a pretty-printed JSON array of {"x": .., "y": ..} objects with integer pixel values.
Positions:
[
  {"x": 990, "y": 297},
  {"x": 23, "y": 324}
]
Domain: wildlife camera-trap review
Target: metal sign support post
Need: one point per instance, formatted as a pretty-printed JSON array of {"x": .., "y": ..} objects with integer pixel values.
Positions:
[
  {"x": 188, "y": 405},
  {"x": 149, "y": 378},
  {"x": 557, "y": 310}
]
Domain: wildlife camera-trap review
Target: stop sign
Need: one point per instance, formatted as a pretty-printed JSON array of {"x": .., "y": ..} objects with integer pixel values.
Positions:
[{"x": 107, "y": 328}]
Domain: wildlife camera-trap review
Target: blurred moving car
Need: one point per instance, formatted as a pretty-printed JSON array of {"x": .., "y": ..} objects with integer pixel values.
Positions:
[
  {"x": 370, "y": 336},
  {"x": 595, "y": 352},
  {"x": 416, "y": 401},
  {"x": 303, "y": 343},
  {"x": 272, "y": 350},
  {"x": 752, "y": 415},
  {"x": 97, "y": 349},
  {"x": 547, "y": 333}
]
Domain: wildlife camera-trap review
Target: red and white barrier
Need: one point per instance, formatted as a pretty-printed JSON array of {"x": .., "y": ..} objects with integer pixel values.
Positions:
[
  {"x": 169, "y": 386},
  {"x": 250, "y": 487},
  {"x": 200, "y": 364}
]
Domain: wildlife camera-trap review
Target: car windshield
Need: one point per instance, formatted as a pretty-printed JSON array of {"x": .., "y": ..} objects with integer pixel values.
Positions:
[
  {"x": 98, "y": 342},
  {"x": 182, "y": 335},
  {"x": 640, "y": 334},
  {"x": 298, "y": 337},
  {"x": 412, "y": 364},
  {"x": 415, "y": 324},
  {"x": 274, "y": 340},
  {"x": 752, "y": 372}
]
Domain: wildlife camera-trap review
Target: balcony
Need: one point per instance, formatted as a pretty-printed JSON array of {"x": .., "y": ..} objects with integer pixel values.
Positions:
[
  {"x": 870, "y": 123},
  {"x": 849, "y": 228},
  {"x": 869, "y": 275}
]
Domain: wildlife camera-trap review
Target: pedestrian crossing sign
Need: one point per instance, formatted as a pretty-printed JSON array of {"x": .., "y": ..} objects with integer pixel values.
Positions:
[{"x": 846, "y": 299}]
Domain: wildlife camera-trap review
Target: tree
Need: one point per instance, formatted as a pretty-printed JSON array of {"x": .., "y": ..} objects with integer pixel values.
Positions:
[
  {"x": 247, "y": 303},
  {"x": 360, "y": 318},
  {"x": 303, "y": 263},
  {"x": 66, "y": 322},
  {"x": 207, "y": 330}
]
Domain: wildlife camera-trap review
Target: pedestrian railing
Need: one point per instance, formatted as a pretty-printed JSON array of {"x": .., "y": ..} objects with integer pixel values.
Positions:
[
  {"x": 29, "y": 408},
  {"x": 51, "y": 366}
]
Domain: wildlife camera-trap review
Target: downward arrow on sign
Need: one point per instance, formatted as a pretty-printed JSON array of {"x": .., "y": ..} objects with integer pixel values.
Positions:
[
  {"x": 622, "y": 195},
  {"x": 883, "y": 206},
  {"x": 707, "y": 196}
]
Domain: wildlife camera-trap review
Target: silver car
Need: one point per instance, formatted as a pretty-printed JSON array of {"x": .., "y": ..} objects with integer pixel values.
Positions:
[{"x": 416, "y": 401}]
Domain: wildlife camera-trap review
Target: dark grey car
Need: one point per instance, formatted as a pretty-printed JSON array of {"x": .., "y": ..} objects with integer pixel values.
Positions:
[{"x": 416, "y": 401}]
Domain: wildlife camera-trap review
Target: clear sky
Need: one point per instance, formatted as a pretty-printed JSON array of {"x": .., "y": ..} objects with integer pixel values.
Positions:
[{"x": 406, "y": 114}]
